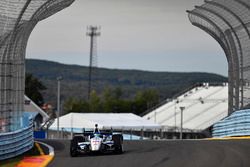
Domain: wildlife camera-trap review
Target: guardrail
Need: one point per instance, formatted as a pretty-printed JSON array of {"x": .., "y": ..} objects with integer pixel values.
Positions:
[
  {"x": 15, "y": 143},
  {"x": 237, "y": 124}
]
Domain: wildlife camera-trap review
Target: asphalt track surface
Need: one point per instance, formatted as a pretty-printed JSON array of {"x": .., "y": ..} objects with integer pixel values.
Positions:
[{"x": 186, "y": 153}]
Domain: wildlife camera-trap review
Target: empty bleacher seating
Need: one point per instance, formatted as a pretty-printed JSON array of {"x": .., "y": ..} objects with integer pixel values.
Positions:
[{"x": 203, "y": 106}]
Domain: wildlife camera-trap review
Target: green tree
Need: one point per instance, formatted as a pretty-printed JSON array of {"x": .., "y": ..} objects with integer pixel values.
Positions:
[
  {"x": 108, "y": 100},
  {"x": 117, "y": 93},
  {"x": 145, "y": 100},
  {"x": 113, "y": 102},
  {"x": 33, "y": 88},
  {"x": 123, "y": 106},
  {"x": 75, "y": 105},
  {"x": 95, "y": 103}
]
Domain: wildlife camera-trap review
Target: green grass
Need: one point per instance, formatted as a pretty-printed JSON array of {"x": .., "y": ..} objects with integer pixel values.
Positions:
[{"x": 12, "y": 162}]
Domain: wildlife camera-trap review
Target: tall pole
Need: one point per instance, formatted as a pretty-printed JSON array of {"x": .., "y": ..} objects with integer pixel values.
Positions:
[
  {"x": 90, "y": 64},
  {"x": 58, "y": 104},
  {"x": 155, "y": 116},
  {"x": 93, "y": 33},
  {"x": 175, "y": 116},
  {"x": 182, "y": 109}
]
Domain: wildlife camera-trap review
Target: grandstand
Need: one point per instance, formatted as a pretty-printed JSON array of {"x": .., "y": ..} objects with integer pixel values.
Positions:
[{"x": 203, "y": 106}]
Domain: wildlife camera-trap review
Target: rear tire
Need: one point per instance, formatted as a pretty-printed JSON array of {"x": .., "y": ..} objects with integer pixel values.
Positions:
[{"x": 118, "y": 141}]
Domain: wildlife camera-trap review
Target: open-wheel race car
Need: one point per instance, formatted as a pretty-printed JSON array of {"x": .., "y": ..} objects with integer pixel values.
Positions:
[{"x": 93, "y": 142}]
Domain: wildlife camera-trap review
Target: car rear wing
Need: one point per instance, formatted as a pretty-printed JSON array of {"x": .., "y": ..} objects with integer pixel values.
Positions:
[{"x": 89, "y": 133}]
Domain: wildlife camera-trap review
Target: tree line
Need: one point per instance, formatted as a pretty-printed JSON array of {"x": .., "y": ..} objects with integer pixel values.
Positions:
[{"x": 111, "y": 100}]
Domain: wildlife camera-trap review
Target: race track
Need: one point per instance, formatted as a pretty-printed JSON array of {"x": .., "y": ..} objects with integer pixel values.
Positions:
[{"x": 186, "y": 153}]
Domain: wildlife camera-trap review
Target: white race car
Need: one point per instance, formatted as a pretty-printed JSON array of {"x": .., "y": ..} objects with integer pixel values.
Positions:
[{"x": 102, "y": 142}]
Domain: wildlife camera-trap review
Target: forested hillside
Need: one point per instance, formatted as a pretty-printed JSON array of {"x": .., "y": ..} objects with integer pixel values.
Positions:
[{"x": 129, "y": 82}]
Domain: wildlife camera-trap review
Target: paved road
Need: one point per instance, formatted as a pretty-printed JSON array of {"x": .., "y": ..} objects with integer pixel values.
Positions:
[{"x": 161, "y": 154}]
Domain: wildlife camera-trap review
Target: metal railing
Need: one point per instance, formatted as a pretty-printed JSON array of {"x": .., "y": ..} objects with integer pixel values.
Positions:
[{"x": 15, "y": 143}]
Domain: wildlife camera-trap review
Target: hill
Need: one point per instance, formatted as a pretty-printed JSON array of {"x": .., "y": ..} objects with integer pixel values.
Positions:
[{"x": 75, "y": 80}]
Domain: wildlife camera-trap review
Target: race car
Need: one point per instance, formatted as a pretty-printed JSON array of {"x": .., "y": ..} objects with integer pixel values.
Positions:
[{"x": 93, "y": 142}]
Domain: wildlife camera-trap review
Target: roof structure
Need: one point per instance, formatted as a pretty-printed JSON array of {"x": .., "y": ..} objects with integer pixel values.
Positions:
[
  {"x": 202, "y": 107},
  {"x": 121, "y": 121},
  {"x": 228, "y": 22}
]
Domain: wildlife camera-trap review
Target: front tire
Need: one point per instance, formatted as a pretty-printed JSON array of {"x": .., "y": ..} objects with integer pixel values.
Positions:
[
  {"x": 74, "y": 145},
  {"x": 73, "y": 149}
]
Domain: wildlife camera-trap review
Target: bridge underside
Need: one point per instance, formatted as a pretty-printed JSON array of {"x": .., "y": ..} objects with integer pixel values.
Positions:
[
  {"x": 228, "y": 22},
  {"x": 17, "y": 20}
]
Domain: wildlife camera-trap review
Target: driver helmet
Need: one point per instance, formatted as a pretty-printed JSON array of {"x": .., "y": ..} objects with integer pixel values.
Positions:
[{"x": 96, "y": 129}]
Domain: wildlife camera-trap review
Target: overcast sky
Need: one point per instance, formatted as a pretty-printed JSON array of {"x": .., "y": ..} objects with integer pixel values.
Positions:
[{"x": 152, "y": 35}]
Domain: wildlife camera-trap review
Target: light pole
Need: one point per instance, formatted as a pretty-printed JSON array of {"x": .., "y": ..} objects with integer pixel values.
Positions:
[
  {"x": 93, "y": 33},
  {"x": 155, "y": 116},
  {"x": 58, "y": 103},
  {"x": 175, "y": 126},
  {"x": 182, "y": 109}
]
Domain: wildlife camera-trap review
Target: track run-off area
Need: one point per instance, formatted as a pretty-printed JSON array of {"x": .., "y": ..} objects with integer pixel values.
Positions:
[{"x": 167, "y": 153}]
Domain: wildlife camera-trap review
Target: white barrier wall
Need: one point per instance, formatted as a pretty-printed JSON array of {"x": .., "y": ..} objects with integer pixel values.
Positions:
[
  {"x": 237, "y": 124},
  {"x": 17, "y": 142}
]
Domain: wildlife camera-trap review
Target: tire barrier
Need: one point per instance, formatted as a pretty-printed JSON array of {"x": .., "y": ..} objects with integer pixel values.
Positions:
[
  {"x": 15, "y": 143},
  {"x": 237, "y": 124}
]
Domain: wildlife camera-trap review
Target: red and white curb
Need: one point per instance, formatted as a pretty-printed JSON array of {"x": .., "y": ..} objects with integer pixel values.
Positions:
[{"x": 38, "y": 161}]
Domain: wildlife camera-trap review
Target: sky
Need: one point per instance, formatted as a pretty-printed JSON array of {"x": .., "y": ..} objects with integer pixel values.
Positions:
[{"x": 151, "y": 35}]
